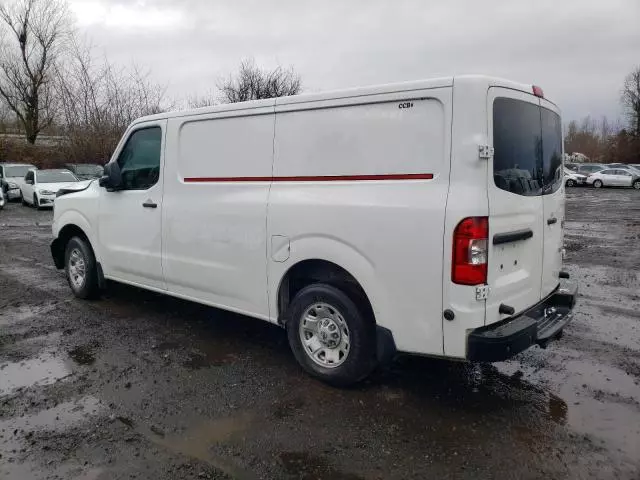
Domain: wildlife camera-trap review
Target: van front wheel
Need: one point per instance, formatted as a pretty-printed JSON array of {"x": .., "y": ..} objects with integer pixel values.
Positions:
[
  {"x": 80, "y": 268},
  {"x": 330, "y": 336}
]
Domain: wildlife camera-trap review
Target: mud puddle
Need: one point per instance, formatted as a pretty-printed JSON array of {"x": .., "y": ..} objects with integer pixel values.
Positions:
[
  {"x": 18, "y": 435},
  {"x": 198, "y": 442},
  {"x": 42, "y": 370}
]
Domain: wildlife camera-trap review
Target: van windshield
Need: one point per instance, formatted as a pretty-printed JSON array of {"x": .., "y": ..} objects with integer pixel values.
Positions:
[{"x": 527, "y": 140}]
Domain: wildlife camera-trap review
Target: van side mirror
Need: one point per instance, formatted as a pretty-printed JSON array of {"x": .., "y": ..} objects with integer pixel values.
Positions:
[{"x": 112, "y": 178}]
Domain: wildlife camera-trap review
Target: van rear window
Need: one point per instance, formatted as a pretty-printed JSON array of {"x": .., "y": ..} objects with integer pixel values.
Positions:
[
  {"x": 517, "y": 165},
  {"x": 528, "y": 148},
  {"x": 551, "y": 150}
]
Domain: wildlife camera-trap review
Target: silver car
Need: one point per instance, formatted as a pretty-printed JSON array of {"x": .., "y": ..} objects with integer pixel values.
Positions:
[
  {"x": 614, "y": 177},
  {"x": 11, "y": 177},
  {"x": 573, "y": 179}
]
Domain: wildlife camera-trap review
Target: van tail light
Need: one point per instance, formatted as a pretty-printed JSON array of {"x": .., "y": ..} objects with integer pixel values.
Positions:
[{"x": 470, "y": 251}]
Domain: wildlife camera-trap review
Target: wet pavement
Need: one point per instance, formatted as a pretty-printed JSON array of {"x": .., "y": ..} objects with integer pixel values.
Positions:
[{"x": 137, "y": 385}]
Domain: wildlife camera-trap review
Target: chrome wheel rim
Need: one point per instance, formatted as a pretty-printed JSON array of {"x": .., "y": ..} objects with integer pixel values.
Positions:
[
  {"x": 77, "y": 268},
  {"x": 636, "y": 185},
  {"x": 325, "y": 335}
]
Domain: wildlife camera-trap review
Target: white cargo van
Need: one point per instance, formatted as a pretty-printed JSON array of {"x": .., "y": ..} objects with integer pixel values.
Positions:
[{"x": 422, "y": 217}]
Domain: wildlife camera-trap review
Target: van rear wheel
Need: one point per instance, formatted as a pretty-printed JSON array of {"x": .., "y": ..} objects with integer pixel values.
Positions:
[
  {"x": 80, "y": 268},
  {"x": 330, "y": 336}
]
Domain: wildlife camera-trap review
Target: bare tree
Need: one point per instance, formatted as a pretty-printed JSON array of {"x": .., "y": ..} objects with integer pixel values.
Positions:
[
  {"x": 206, "y": 100},
  {"x": 99, "y": 101},
  {"x": 4, "y": 117},
  {"x": 33, "y": 35},
  {"x": 253, "y": 83},
  {"x": 631, "y": 100}
]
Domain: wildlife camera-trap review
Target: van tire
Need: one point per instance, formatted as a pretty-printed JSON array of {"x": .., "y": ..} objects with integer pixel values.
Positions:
[
  {"x": 597, "y": 183},
  {"x": 78, "y": 250},
  {"x": 360, "y": 359}
]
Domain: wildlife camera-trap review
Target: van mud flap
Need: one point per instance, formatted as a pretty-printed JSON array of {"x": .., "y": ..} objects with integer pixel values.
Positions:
[{"x": 538, "y": 325}]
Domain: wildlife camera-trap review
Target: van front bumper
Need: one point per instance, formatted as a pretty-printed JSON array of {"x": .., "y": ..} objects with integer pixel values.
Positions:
[{"x": 538, "y": 325}]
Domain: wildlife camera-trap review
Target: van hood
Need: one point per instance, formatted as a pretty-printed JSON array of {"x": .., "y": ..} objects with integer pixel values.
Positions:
[
  {"x": 55, "y": 187},
  {"x": 74, "y": 187}
]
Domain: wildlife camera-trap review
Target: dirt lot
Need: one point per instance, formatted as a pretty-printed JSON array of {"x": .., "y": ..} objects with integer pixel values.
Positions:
[{"x": 137, "y": 385}]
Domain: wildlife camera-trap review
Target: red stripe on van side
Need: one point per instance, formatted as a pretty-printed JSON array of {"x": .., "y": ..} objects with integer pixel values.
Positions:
[
  {"x": 226, "y": 179},
  {"x": 309, "y": 178}
]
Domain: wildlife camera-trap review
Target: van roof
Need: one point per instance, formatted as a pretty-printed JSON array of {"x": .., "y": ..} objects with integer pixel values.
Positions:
[{"x": 346, "y": 93}]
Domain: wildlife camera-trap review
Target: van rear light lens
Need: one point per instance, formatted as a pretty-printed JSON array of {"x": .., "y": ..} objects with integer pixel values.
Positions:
[{"x": 470, "y": 247}]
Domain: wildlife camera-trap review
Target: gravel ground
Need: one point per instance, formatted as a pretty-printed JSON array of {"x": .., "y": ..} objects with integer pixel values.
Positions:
[{"x": 137, "y": 385}]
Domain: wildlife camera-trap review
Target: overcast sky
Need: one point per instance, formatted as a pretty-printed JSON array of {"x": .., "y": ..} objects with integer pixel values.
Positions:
[{"x": 579, "y": 51}]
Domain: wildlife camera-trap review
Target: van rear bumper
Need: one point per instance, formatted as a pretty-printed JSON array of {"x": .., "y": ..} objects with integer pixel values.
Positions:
[{"x": 536, "y": 326}]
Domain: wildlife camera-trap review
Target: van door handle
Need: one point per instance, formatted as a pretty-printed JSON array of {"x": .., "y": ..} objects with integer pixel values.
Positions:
[
  {"x": 552, "y": 220},
  {"x": 150, "y": 204},
  {"x": 508, "y": 237}
]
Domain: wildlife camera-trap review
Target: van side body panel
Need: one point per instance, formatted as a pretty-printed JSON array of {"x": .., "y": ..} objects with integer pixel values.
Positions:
[
  {"x": 387, "y": 233},
  {"x": 214, "y": 229}
]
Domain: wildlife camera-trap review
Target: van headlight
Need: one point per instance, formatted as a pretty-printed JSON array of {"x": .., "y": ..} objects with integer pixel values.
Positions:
[{"x": 47, "y": 192}]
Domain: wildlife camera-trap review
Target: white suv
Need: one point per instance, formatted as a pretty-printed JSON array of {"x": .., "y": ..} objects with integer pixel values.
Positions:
[{"x": 423, "y": 217}]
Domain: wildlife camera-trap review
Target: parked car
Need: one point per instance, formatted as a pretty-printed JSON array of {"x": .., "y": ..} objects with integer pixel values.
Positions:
[
  {"x": 385, "y": 228},
  {"x": 85, "y": 171},
  {"x": 573, "y": 179},
  {"x": 12, "y": 177},
  {"x": 41, "y": 186},
  {"x": 630, "y": 168},
  {"x": 614, "y": 177},
  {"x": 589, "y": 168},
  {"x": 617, "y": 165}
]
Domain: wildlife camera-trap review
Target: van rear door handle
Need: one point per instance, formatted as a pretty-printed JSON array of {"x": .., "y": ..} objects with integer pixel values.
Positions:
[
  {"x": 508, "y": 237},
  {"x": 150, "y": 204},
  {"x": 552, "y": 220}
]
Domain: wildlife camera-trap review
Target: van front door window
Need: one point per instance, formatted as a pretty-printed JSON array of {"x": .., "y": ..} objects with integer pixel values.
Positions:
[{"x": 139, "y": 160}]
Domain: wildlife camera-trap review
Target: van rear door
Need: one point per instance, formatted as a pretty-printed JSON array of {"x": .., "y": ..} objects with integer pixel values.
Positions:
[
  {"x": 516, "y": 208},
  {"x": 553, "y": 196}
]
